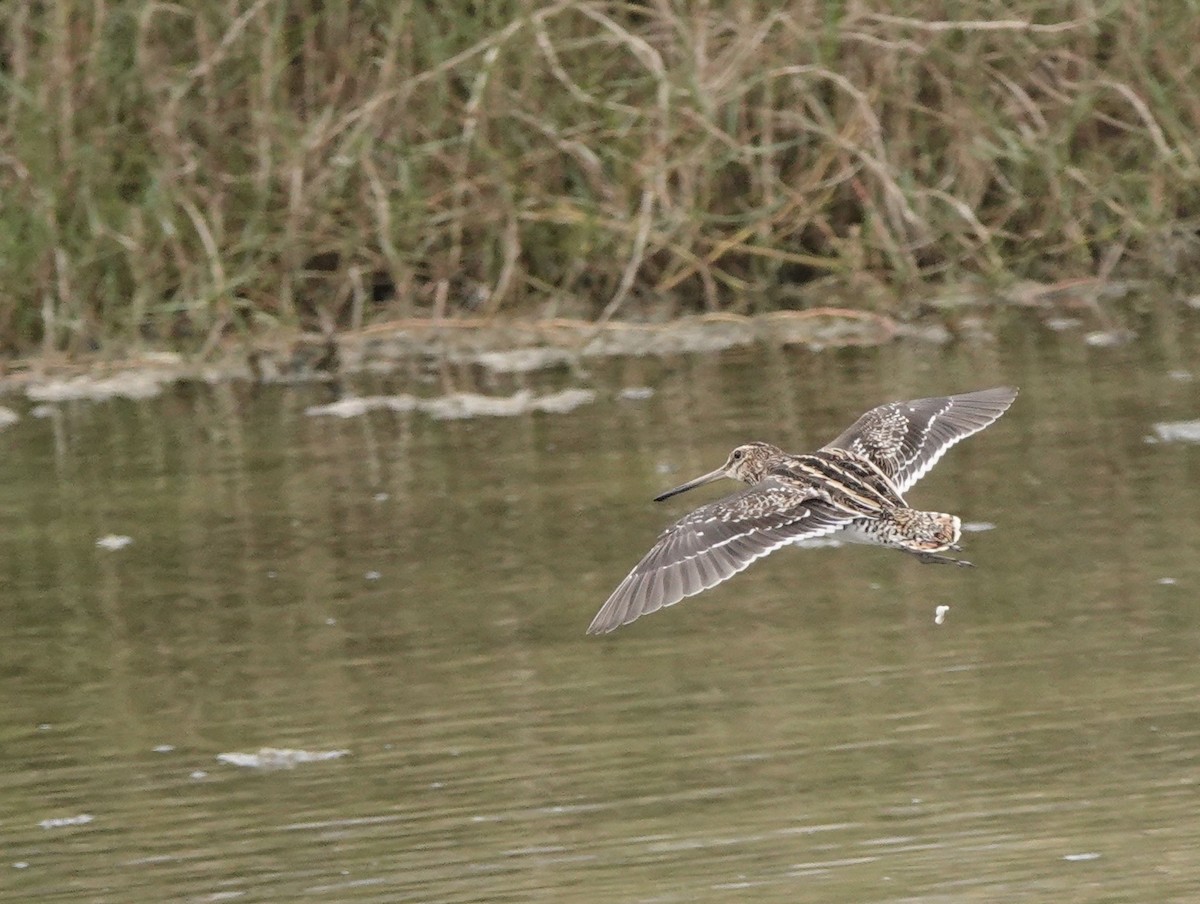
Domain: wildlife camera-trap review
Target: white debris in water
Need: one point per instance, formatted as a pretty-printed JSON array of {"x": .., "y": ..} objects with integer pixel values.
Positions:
[
  {"x": 131, "y": 384},
  {"x": 357, "y": 406},
  {"x": 381, "y": 497},
  {"x": 372, "y": 575},
  {"x": 114, "y": 541},
  {"x": 1087, "y": 855},
  {"x": 565, "y": 401},
  {"x": 164, "y": 748},
  {"x": 8, "y": 417},
  {"x": 463, "y": 405},
  {"x": 468, "y": 404},
  {"x": 354, "y": 407},
  {"x": 939, "y": 614},
  {"x": 1177, "y": 432},
  {"x": 459, "y": 405},
  {"x": 279, "y": 757},
  {"x": 1166, "y": 581},
  {"x": 1109, "y": 338},
  {"x": 523, "y": 360},
  {"x": 635, "y": 393},
  {"x": 977, "y": 527},
  {"x": 81, "y": 820},
  {"x": 1058, "y": 324},
  {"x": 401, "y": 404}
]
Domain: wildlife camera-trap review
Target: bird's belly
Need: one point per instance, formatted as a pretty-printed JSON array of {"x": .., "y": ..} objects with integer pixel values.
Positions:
[
  {"x": 861, "y": 531},
  {"x": 847, "y": 534}
]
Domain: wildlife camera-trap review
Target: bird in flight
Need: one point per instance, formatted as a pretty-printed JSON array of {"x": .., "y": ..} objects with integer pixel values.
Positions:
[{"x": 853, "y": 487}]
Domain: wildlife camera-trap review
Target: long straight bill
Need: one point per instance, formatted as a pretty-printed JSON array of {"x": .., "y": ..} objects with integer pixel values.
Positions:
[{"x": 691, "y": 484}]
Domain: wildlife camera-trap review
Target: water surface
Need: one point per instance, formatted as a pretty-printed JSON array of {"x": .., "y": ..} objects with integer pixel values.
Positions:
[{"x": 415, "y": 592}]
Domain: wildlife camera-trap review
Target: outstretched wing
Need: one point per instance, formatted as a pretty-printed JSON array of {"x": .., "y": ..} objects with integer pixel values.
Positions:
[
  {"x": 714, "y": 543},
  {"x": 906, "y": 439}
]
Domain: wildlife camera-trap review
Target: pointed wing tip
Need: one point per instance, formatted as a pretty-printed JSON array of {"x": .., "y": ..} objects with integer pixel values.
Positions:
[
  {"x": 1001, "y": 396},
  {"x": 615, "y": 612},
  {"x": 1005, "y": 393},
  {"x": 601, "y": 626},
  {"x": 999, "y": 393},
  {"x": 996, "y": 400},
  {"x": 609, "y": 618}
]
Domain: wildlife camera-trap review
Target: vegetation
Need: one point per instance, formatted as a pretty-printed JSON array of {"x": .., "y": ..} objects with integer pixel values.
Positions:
[{"x": 184, "y": 172}]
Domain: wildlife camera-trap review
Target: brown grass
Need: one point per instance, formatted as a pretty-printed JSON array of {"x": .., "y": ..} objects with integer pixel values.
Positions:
[{"x": 183, "y": 172}]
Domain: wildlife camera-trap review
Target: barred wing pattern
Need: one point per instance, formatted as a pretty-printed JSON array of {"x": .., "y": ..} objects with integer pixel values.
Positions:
[
  {"x": 714, "y": 543},
  {"x": 906, "y": 439}
]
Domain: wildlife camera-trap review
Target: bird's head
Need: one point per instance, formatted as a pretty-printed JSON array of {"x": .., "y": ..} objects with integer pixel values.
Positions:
[{"x": 748, "y": 463}]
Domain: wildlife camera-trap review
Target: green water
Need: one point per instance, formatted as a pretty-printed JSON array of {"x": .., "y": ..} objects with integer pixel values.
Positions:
[{"x": 416, "y": 592}]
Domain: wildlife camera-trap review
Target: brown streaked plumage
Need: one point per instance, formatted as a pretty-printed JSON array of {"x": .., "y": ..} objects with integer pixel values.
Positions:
[{"x": 854, "y": 486}]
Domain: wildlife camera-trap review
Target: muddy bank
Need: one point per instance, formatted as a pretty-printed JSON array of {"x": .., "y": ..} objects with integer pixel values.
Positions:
[
  {"x": 526, "y": 347},
  {"x": 512, "y": 347}
]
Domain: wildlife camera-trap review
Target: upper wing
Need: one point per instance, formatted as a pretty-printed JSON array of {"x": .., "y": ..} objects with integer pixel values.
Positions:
[
  {"x": 905, "y": 439},
  {"x": 714, "y": 543}
]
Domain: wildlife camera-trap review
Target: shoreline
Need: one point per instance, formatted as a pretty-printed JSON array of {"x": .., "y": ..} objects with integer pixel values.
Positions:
[
  {"x": 222, "y": 172},
  {"x": 516, "y": 347}
]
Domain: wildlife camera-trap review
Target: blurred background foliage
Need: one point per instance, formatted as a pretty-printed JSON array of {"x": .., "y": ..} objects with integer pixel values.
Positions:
[{"x": 181, "y": 173}]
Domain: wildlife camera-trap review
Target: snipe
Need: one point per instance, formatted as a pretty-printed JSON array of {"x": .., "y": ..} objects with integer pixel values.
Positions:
[{"x": 854, "y": 487}]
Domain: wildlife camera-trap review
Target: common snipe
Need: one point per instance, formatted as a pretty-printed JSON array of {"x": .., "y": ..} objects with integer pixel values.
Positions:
[{"x": 853, "y": 486}]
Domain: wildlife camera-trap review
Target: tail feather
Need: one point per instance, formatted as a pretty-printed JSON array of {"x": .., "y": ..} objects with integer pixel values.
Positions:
[
  {"x": 906, "y": 528},
  {"x": 933, "y": 531}
]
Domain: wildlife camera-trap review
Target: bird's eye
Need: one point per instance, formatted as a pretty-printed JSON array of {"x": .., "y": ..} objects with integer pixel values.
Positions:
[{"x": 737, "y": 455}]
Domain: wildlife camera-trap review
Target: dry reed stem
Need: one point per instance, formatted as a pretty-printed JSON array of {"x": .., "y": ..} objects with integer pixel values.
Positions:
[{"x": 182, "y": 172}]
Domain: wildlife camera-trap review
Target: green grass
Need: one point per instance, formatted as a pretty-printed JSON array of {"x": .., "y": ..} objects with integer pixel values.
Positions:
[{"x": 186, "y": 173}]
